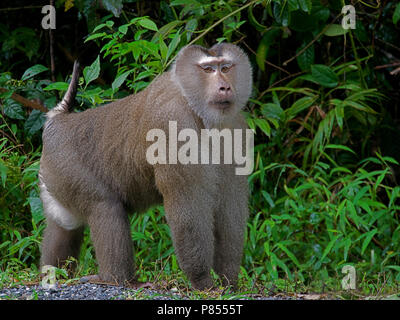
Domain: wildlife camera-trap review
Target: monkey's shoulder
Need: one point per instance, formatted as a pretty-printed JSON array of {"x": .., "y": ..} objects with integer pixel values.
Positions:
[{"x": 165, "y": 103}]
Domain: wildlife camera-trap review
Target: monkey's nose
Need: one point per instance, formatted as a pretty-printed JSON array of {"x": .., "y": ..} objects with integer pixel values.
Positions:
[{"x": 224, "y": 89}]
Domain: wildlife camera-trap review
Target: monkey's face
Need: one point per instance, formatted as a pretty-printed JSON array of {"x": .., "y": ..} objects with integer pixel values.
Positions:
[
  {"x": 216, "y": 82},
  {"x": 217, "y": 75}
]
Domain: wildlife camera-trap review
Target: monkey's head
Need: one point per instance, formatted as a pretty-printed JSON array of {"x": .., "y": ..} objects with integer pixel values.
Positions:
[{"x": 216, "y": 82}]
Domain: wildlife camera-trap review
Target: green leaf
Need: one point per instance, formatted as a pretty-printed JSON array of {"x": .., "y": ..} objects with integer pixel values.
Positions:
[
  {"x": 347, "y": 244},
  {"x": 123, "y": 29},
  {"x": 143, "y": 75},
  {"x": 184, "y": 3},
  {"x": 36, "y": 209},
  {"x": 136, "y": 49},
  {"x": 281, "y": 13},
  {"x": 368, "y": 237},
  {"x": 272, "y": 111},
  {"x": 263, "y": 47},
  {"x": 293, "y": 5},
  {"x": 32, "y": 71},
  {"x": 306, "y": 59},
  {"x": 95, "y": 36},
  {"x": 329, "y": 247},
  {"x": 339, "y": 114},
  {"x": 35, "y": 122},
  {"x": 335, "y": 30},
  {"x": 289, "y": 253},
  {"x": 324, "y": 75},
  {"x": 264, "y": 126},
  {"x": 299, "y": 105},
  {"x": 120, "y": 80},
  {"x": 163, "y": 48},
  {"x": 262, "y": 171},
  {"x": 278, "y": 262},
  {"x": 61, "y": 86},
  {"x": 148, "y": 24},
  {"x": 268, "y": 198},
  {"x": 339, "y": 146},
  {"x": 13, "y": 110},
  {"x": 150, "y": 48},
  {"x": 190, "y": 27},
  {"x": 165, "y": 30},
  {"x": 3, "y": 174},
  {"x": 305, "y": 5},
  {"x": 353, "y": 213},
  {"x": 250, "y": 123},
  {"x": 359, "y": 106},
  {"x": 92, "y": 72},
  {"x": 174, "y": 43},
  {"x": 396, "y": 14},
  {"x": 100, "y": 26},
  {"x": 397, "y": 268}
]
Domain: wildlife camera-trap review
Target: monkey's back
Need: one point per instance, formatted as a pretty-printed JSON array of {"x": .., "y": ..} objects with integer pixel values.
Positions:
[{"x": 101, "y": 153}]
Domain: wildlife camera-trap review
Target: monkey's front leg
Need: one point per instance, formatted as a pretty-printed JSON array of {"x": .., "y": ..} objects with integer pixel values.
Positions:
[
  {"x": 230, "y": 225},
  {"x": 189, "y": 216},
  {"x": 110, "y": 233}
]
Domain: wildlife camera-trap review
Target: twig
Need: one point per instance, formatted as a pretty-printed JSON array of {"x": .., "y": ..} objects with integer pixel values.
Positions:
[
  {"x": 5, "y": 134},
  {"x": 266, "y": 61},
  {"x": 395, "y": 71},
  {"x": 279, "y": 81},
  {"x": 312, "y": 41},
  {"x": 300, "y": 129},
  {"x": 389, "y": 65},
  {"x": 389, "y": 44},
  {"x": 20, "y": 8},
  {"x": 26, "y": 102}
]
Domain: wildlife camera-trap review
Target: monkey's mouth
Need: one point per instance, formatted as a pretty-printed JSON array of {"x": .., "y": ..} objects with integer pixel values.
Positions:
[{"x": 222, "y": 105}]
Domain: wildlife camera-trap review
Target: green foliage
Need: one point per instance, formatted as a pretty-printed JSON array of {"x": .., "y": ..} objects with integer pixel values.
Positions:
[
  {"x": 20, "y": 206},
  {"x": 323, "y": 192},
  {"x": 324, "y": 218}
]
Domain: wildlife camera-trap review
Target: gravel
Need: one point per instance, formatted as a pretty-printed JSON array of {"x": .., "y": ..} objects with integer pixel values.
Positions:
[
  {"x": 85, "y": 291},
  {"x": 90, "y": 291}
]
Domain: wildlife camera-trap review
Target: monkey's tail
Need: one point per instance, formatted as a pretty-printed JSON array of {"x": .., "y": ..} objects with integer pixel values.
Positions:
[{"x": 66, "y": 104}]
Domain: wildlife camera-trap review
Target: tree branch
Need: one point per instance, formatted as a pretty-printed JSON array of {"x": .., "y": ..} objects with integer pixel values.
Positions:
[{"x": 26, "y": 102}]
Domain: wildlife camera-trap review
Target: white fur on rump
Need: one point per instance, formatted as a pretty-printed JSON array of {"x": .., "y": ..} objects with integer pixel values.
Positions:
[{"x": 56, "y": 211}]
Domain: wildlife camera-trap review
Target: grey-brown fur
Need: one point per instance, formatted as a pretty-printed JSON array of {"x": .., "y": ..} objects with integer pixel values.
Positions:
[{"x": 94, "y": 167}]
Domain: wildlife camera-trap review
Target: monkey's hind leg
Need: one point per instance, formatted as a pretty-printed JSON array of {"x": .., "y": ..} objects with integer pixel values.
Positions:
[
  {"x": 64, "y": 232},
  {"x": 59, "y": 244}
]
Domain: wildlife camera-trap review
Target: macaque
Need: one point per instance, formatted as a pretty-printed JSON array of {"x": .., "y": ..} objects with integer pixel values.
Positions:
[{"x": 94, "y": 171}]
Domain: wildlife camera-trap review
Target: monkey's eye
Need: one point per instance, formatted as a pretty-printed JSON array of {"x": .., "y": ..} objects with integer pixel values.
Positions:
[
  {"x": 226, "y": 67},
  {"x": 207, "y": 69}
]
